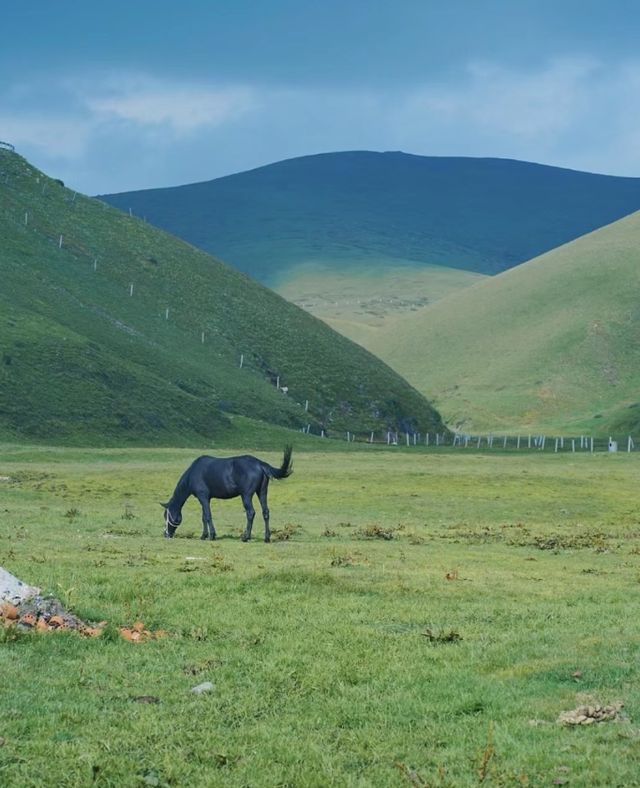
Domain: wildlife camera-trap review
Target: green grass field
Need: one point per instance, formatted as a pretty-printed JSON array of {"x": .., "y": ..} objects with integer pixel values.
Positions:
[{"x": 425, "y": 622}]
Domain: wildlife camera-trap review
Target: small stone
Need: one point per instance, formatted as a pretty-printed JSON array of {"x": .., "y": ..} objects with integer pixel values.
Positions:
[
  {"x": 28, "y": 620},
  {"x": 588, "y": 721},
  {"x": 41, "y": 625},
  {"x": 206, "y": 686},
  {"x": 9, "y": 611}
]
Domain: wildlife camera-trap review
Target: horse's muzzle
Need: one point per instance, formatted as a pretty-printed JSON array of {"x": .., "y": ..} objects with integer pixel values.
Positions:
[{"x": 169, "y": 531}]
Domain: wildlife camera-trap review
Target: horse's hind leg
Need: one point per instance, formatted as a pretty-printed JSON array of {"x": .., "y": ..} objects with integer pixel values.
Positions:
[
  {"x": 262, "y": 495},
  {"x": 247, "y": 502},
  {"x": 208, "y": 531}
]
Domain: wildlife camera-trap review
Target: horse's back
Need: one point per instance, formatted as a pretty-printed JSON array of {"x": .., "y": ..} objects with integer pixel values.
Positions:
[{"x": 226, "y": 477}]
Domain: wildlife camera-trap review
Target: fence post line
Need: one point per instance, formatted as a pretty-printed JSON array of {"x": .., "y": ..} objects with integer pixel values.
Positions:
[{"x": 573, "y": 444}]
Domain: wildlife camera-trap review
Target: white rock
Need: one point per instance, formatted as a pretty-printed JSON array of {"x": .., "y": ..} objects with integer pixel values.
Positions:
[
  {"x": 14, "y": 590},
  {"x": 206, "y": 686}
]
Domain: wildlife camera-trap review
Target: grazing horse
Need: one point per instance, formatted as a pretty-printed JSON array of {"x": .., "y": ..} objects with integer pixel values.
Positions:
[{"x": 213, "y": 477}]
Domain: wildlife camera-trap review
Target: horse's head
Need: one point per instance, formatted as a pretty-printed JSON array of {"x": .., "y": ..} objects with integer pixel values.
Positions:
[{"x": 172, "y": 520}]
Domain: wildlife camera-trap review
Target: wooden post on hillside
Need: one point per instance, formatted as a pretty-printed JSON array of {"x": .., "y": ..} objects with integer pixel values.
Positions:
[
  {"x": 518, "y": 443},
  {"x": 529, "y": 442},
  {"x": 202, "y": 337},
  {"x": 26, "y": 218},
  {"x": 426, "y": 440},
  {"x": 166, "y": 313},
  {"x": 504, "y": 444},
  {"x": 629, "y": 443},
  {"x": 573, "y": 444},
  {"x": 371, "y": 438},
  {"x": 60, "y": 242},
  {"x": 241, "y": 360},
  {"x": 95, "y": 263},
  {"x": 592, "y": 444},
  {"x": 131, "y": 289},
  {"x": 306, "y": 405}
]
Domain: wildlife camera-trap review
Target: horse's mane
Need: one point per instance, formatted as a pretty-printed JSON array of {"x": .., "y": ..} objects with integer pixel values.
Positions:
[{"x": 182, "y": 490}]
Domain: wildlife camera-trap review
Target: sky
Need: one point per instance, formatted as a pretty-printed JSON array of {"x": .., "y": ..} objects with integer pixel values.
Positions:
[{"x": 138, "y": 94}]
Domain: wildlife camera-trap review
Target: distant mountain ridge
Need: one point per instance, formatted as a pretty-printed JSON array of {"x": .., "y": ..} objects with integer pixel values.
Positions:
[{"x": 480, "y": 214}]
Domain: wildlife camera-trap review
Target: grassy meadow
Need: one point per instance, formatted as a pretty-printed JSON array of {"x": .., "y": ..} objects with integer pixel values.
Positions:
[{"x": 421, "y": 618}]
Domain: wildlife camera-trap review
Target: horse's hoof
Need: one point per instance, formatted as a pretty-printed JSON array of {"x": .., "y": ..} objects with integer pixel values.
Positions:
[
  {"x": 267, "y": 539},
  {"x": 245, "y": 538},
  {"x": 204, "y": 536}
]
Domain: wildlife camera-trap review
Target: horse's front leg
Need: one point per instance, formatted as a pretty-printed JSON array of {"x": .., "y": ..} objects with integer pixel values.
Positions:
[
  {"x": 247, "y": 502},
  {"x": 208, "y": 530}
]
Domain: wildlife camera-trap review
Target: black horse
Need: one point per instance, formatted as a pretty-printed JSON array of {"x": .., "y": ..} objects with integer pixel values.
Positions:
[{"x": 212, "y": 477}]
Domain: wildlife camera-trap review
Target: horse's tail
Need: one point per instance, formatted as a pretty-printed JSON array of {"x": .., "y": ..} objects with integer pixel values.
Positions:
[{"x": 286, "y": 469}]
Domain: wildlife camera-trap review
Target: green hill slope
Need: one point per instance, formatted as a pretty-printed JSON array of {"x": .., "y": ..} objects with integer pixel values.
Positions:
[
  {"x": 359, "y": 300},
  {"x": 483, "y": 215},
  {"x": 84, "y": 360},
  {"x": 553, "y": 343}
]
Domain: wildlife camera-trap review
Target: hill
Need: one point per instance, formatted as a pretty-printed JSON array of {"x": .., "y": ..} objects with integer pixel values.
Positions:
[
  {"x": 364, "y": 209},
  {"x": 113, "y": 331},
  {"x": 359, "y": 302},
  {"x": 551, "y": 344}
]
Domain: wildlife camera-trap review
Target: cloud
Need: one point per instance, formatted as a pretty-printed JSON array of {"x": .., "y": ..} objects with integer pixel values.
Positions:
[
  {"x": 180, "y": 108},
  {"x": 55, "y": 136},
  {"x": 113, "y": 130}
]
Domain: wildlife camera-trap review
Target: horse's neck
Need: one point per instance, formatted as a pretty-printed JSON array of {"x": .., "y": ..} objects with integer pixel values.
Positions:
[{"x": 180, "y": 495}]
